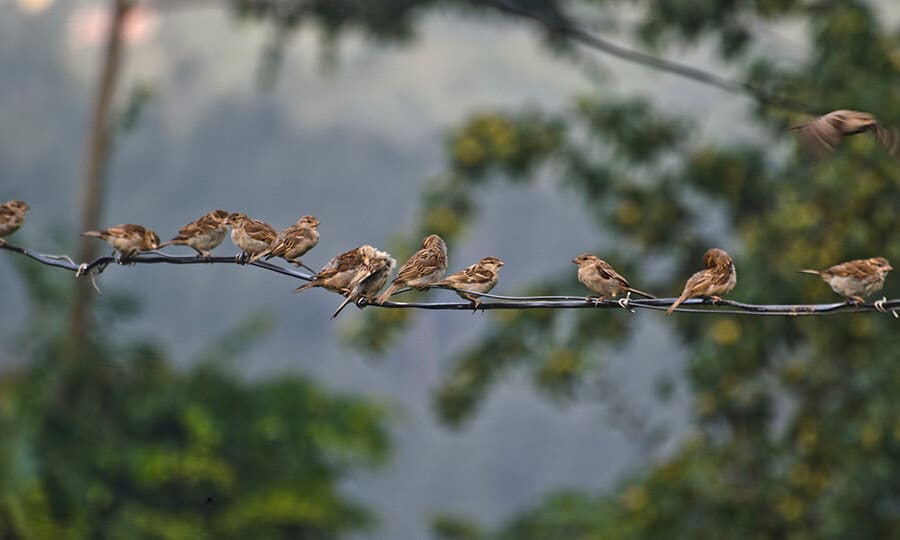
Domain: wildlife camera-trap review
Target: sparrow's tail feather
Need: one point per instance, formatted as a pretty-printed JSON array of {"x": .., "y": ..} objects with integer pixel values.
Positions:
[
  {"x": 258, "y": 256},
  {"x": 386, "y": 294},
  {"x": 342, "y": 306},
  {"x": 94, "y": 234},
  {"x": 678, "y": 302},
  {"x": 309, "y": 285},
  {"x": 168, "y": 243},
  {"x": 813, "y": 272},
  {"x": 640, "y": 293}
]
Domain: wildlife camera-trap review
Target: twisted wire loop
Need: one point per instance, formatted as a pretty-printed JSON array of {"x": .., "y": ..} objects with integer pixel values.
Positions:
[{"x": 694, "y": 305}]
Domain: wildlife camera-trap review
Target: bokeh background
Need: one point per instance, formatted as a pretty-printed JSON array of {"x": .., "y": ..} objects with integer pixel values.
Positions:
[{"x": 207, "y": 402}]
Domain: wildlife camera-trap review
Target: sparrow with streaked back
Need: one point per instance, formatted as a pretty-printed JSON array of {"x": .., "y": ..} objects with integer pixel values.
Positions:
[
  {"x": 480, "y": 277},
  {"x": 340, "y": 271},
  {"x": 127, "y": 239},
  {"x": 855, "y": 279},
  {"x": 424, "y": 268},
  {"x": 370, "y": 279},
  {"x": 717, "y": 279},
  {"x": 600, "y": 277},
  {"x": 204, "y": 234},
  {"x": 293, "y": 242},
  {"x": 12, "y": 216},
  {"x": 250, "y": 235}
]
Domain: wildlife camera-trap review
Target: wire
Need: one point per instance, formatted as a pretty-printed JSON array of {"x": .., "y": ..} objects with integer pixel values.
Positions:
[
  {"x": 559, "y": 24},
  {"x": 725, "y": 307}
]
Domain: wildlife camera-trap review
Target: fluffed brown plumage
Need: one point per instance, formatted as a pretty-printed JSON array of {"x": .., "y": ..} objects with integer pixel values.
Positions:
[
  {"x": 250, "y": 235},
  {"x": 127, "y": 239},
  {"x": 203, "y": 235},
  {"x": 717, "y": 279},
  {"x": 600, "y": 277},
  {"x": 370, "y": 279},
  {"x": 424, "y": 268},
  {"x": 293, "y": 242},
  {"x": 340, "y": 271},
  {"x": 855, "y": 279},
  {"x": 480, "y": 277},
  {"x": 12, "y": 216},
  {"x": 823, "y": 134}
]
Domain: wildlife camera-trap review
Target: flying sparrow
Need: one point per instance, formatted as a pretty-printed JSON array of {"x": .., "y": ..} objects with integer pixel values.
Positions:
[
  {"x": 369, "y": 280},
  {"x": 203, "y": 235},
  {"x": 425, "y": 267},
  {"x": 12, "y": 216},
  {"x": 823, "y": 134},
  {"x": 293, "y": 242},
  {"x": 600, "y": 277},
  {"x": 251, "y": 235},
  {"x": 714, "y": 281},
  {"x": 855, "y": 279},
  {"x": 480, "y": 277},
  {"x": 339, "y": 273},
  {"x": 127, "y": 239}
]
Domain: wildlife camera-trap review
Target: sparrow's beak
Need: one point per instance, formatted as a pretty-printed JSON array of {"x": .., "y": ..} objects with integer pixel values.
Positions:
[
  {"x": 888, "y": 268},
  {"x": 575, "y": 261}
]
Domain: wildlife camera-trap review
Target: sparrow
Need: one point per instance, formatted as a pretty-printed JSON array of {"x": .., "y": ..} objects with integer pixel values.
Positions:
[
  {"x": 251, "y": 235},
  {"x": 714, "y": 281},
  {"x": 480, "y": 277},
  {"x": 424, "y": 268},
  {"x": 12, "y": 216},
  {"x": 369, "y": 280},
  {"x": 293, "y": 242},
  {"x": 127, "y": 239},
  {"x": 855, "y": 279},
  {"x": 339, "y": 273},
  {"x": 823, "y": 134},
  {"x": 203, "y": 235},
  {"x": 600, "y": 277}
]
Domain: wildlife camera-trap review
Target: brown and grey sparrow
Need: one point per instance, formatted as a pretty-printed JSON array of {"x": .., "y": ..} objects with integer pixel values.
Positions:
[
  {"x": 480, "y": 277},
  {"x": 202, "y": 235},
  {"x": 340, "y": 271},
  {"x": 855, "y": 279},
  {"x": 293, "y": 242},
  {"x": 370, "y": 279},
  {"x": 251, "y": 235},
  {"x": 128, "y": 240},
  {"x": 714, "y": 281},
  {"x": 823, "y": 134},
  {"x": 600, "y": 277},
  {"x": 12, "y": 216},
  {"x": 424, "y": 268}
]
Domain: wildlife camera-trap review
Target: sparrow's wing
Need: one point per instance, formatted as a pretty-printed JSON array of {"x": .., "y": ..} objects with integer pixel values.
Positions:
[
  {"x": 606, "y": 271},
  {"x": 819, "y": 136},
  {"x": 889, "y": 138},
  {"x": 422, "y": 263}
]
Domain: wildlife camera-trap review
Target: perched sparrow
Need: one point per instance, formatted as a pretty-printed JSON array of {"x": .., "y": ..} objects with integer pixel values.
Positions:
[
  {"x": 425, "y": 267},
  {"x": 293, "y": 242},
  {"x": 369, "y": 280},
  {"x": 855, "y": 279},
  {"x": 203, "y": 235},
  {"x": 251, "y": 235},
  {"x": 714, "y": 281},
  {"x": 824, "y": 133},
  {"x": 481, "y": 277},
  {"x": 12, "y": 216},
  {"x": 600, "y": 277},
  {"x": 339, "y": 273},
  {"x": 128, "y": 240}
]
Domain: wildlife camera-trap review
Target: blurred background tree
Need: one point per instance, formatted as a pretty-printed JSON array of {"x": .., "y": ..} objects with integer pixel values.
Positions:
[{"x": 119, "y": 444}]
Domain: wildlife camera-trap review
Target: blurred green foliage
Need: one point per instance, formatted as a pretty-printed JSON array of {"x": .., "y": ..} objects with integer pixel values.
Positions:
[{"x": 112, "y": 442}]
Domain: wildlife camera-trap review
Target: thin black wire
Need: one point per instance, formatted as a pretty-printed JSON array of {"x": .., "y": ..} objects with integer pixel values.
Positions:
[
  {"x": 559, "y": 24},
  {"x": 99, "y": 264}
]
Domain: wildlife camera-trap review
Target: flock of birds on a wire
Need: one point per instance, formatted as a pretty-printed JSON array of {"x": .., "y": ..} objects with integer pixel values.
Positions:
[{"x": 361, "y": 273}]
